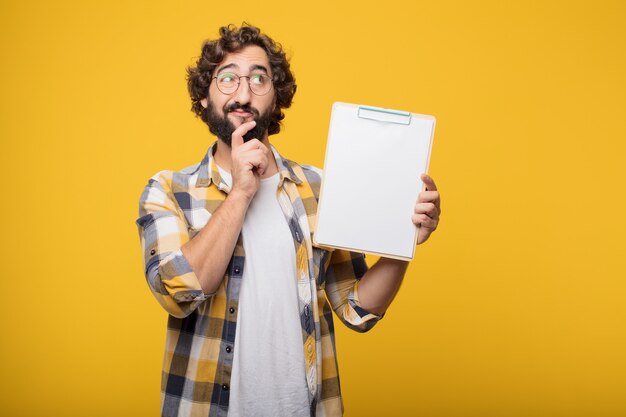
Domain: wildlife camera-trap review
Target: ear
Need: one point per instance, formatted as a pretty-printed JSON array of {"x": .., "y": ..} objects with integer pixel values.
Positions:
[{"x": 204, "y": 102}]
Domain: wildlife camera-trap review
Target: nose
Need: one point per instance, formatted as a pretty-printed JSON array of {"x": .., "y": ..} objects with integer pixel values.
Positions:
[{"x": 243, "y": 93}]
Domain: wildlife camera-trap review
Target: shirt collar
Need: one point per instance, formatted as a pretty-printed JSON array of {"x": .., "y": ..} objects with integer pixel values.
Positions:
[
  {"x": 208, "y": 172},
  {"x": 285, "y": 168}
]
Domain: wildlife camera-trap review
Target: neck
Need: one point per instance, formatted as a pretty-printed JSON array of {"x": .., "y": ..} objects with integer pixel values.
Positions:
[{"x": 223, "y": 158}]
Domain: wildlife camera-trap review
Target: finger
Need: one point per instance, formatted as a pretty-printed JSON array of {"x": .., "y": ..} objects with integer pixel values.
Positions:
[
  {"x": 428, "y": 209},
  {"x": 237, "y": 136},
  {"x": 257, "y": 159},
  {"x": 428, "y": 182},
  {"x": 261, "y": 167},
  {"x": 428, "y": 197},
  {"x": 253, "y": 147},
  {"x": 422, "y": 220},
  {"x": 254, "y": 159},
  {"x": 261, "y": 154}
]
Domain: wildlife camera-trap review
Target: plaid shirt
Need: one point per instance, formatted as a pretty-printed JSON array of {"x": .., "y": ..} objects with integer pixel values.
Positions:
[{"x": 200, "y": 341}]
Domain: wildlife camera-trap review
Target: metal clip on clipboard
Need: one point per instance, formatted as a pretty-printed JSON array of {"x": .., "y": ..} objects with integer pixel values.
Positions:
[{"x": 384, "y": 115}]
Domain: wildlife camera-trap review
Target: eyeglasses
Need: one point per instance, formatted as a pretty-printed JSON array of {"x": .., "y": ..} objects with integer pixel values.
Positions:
[{"x": 228, "y": 83}]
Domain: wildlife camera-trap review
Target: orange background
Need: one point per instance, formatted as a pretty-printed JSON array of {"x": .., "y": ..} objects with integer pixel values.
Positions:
[{"x": 515, "y": 307}]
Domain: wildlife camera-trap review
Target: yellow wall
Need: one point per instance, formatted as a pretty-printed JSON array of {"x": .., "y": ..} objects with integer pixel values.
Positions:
[{"x": 514, "y": 308}]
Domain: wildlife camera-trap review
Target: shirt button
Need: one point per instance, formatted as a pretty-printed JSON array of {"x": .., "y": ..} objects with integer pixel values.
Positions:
[
  {"x": 298, "y": 236},
  {"x": 237, "y": 270},
  {"x": 228, "y": 349},
  {"x": 152, "y": 252},
  {"x": 231, "y": 310},
  {"x": 225, "y": 387},
  {"x": 306, "y": 311}
]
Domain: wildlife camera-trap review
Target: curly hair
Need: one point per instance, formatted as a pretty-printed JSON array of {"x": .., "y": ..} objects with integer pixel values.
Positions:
[{"x": 233, "y": 39}]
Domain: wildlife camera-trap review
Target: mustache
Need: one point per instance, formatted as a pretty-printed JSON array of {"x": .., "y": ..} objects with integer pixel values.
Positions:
[{"x": 244, "y": 107}]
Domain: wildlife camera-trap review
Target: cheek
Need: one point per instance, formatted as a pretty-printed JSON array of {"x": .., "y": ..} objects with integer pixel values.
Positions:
[
  {"x": 216, "y": 98},
  {"x": 270, "y": 105},
  {"x": 217, "y": 106}
]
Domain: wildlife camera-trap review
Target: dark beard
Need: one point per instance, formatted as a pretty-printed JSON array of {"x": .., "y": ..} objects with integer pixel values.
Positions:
[{"x": 223, "y": 128}]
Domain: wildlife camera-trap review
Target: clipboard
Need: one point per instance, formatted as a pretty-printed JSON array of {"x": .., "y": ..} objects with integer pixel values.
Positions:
[{"x": 374, "y": 158}]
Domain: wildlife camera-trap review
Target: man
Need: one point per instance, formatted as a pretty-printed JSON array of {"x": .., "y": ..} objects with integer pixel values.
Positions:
[{"x": 228, "y": 253}]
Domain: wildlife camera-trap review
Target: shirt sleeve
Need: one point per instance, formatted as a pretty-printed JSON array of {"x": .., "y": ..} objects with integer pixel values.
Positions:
[
  {"x": 342, "y": 276},
  {"x": 163, "y": 231}
]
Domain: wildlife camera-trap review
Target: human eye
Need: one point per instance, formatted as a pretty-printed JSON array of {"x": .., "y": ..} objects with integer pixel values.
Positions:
[
  {"x": 258, "y": 79},
  {"x": 226, "y": 77}
]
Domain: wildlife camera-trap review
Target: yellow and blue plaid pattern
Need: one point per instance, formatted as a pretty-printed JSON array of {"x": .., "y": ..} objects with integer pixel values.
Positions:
[{"x": 201, "y": 327}]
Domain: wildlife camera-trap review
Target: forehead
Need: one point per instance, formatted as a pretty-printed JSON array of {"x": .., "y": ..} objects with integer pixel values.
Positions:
[{"x": 249, "y": 58}]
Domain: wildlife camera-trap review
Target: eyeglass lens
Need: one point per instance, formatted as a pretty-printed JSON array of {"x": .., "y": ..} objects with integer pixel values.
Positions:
[{"x": 228, "y": 82}]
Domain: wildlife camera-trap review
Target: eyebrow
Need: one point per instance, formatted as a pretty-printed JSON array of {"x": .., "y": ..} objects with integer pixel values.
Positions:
[{"x": 252, "y": 68}]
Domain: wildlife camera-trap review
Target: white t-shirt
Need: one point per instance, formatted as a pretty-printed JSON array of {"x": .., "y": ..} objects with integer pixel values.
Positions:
[{"x": 268, "y": 375}]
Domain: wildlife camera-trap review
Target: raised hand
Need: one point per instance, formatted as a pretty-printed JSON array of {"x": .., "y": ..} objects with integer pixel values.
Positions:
[
  {"x": 427, "y": 210},
  {"x": 249, "y": 161}
]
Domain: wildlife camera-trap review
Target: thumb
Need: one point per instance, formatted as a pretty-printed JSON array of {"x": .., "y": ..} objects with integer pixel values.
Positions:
[{"x": 428, "y": 182}]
